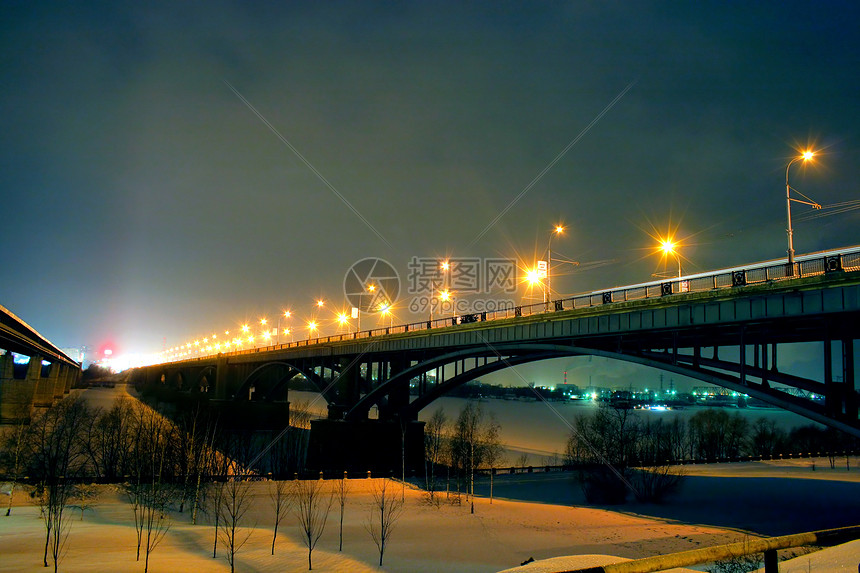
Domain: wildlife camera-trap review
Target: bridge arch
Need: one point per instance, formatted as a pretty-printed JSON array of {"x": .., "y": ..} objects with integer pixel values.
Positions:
[
  {"x": 292, "y": 371},
  {"x": 205, "y": 379},
  {"x": 503, "y": 355},
  {"x": 688, "y": 365}
]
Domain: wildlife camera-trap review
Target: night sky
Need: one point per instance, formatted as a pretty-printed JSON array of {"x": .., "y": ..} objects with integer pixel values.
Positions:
[{"x": 145, "y": 203}]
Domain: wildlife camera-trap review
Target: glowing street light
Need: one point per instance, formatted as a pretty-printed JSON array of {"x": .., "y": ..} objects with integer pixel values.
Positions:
[
  {"x": 286, "y": 314},
  {"x": 669, "y": 247},
  {"x": 386, "y": 311},
  {"x": 805, "y": 156},
  {"x": 547, "y": 292},
  {"x": 343, "y": 320},
  {"x": 312, "y": 327},
  {"x": 444, "y": 266},
  {"x": 446, "y": 296}
]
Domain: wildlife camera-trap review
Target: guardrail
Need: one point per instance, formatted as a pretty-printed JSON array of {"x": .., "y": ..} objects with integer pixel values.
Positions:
[
  {"x": 769, "y": 546},
  {"x": 773, "y": 271}
]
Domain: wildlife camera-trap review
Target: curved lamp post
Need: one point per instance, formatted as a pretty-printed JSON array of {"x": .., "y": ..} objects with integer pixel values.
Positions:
[
  {"x": 805, "y": 156},
  {"x": 557, "y": 231}
]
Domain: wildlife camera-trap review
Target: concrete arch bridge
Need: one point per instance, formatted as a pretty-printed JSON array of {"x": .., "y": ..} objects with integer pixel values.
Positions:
[{"x": 732, "y": 328}]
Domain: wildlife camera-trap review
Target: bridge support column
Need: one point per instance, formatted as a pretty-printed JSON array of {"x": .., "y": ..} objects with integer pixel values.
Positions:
[
  {"x": 346, "y": 390},
  {"x": 44, "y": 394},
  {"x": 848, "y": 379},
  {"x": 222, "y": 380},
  {"x": 16, "y": 396},
  {"x": 70, "y": 379},
  {"x": 398, "y": 398},
  {"x": 368, "y": 445},
  {"x": 57, "y": 375},
  {"x": 840, "y": 398}
]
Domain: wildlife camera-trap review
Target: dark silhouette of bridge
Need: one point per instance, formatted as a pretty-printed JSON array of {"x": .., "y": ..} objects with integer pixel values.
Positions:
[{"x": 730, "y": 328}]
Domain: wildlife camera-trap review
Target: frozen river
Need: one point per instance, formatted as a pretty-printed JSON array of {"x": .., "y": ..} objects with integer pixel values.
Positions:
[{"x": 541, "y": 429}]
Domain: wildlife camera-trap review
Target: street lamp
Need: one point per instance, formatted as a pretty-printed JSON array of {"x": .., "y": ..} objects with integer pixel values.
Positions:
[
  {"x": 386, "y": 311},
  {"x": 668, "y": 246},
  {"x": 446, "y": 295},
  {"x": 265, "y": 334},
  {"x": 557, "y": 231},
  {"x": 805, "y": 156},
  {"x": 287, "y": 314},
  {"x": 343, "y": 320},
  {"x": 444, "y": 267}
]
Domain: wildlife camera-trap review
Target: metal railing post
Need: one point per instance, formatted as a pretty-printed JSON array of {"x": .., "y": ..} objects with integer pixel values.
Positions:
[{"x": 771, "y": 562}]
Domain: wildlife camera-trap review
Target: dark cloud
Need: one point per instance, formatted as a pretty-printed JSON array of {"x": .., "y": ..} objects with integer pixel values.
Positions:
[{"x": 144, "y": 201}]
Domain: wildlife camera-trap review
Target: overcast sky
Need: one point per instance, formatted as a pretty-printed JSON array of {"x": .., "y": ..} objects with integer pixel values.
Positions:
[{"x": 145, "y": 203}]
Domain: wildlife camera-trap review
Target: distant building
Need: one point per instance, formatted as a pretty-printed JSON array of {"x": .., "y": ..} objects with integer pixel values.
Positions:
[{"x": 76, "y": 354}]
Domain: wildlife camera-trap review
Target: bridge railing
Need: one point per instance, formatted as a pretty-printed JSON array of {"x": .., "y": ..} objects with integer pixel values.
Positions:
[{"x": 804, "y": 266}]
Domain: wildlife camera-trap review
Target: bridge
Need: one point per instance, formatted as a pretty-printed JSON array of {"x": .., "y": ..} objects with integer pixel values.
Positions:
[
  {"x": 730, "y": 328},
  {"x": 47, "y": 375}
]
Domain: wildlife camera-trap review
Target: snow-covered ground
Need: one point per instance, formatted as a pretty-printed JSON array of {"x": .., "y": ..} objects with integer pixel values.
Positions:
[
  {"x": 498, "y": 536},
  {"x": 539, "y": 515}
]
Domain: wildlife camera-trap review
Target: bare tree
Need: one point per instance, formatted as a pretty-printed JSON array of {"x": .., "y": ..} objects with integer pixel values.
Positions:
[
  {"x": 15, "y": 446},
  {"x": 234, "y": 505},
  {"x": 522, "y": 460},
  {"x": 110, "y": 440},
  {"x": 135, "y": 487},
  {"x": 279, "y": 493},
  {"x": 434, "y": 446},
  {"x": 342, "y": 491},
  {"x": 615, "y": 452},
  {"x": 220, "y": 466},
  {"x": 475, "y": 435},
  {"x": 191, "y": 448},
  {"x": 59, "y": 455},
  {"x": 153, "y": 493},
  {"x": 716, "y": 434},
  {"x": 85, "y": 497},
  {"x": 311, "y": 506},
  {"x": 655, "y": 476},
  {"x": 207, "y": 464},
  {"x": 493, "y": 451},
  {"x": 384, "y": 513},
  {"x": 601, "y": 447},
  {"x": 58, "y": 458}
]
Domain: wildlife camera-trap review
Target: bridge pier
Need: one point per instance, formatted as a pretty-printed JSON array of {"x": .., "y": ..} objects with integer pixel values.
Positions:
[
  {"x": 840, "y": 398},
  {"x": 16, "y": 395},
  {"x": 398, "y": 398},
  {"x": 57, "y": 380},
  {"x": 44, "y": 394},
  {"x": 70, "y": 377},
  {"x": 366, "y": 445},
  {"x": 346, "y": 389}
]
